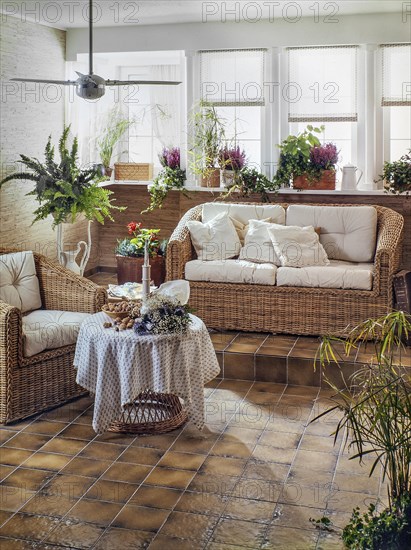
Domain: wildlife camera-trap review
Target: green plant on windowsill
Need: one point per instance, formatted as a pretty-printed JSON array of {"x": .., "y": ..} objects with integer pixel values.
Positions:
[
  {"x": 170, "y": 177},
  {"x": 63, "y": 189},
  {"x": 294, "y": 158},
  {"x": 375, "y": 404},
  {"x": 397, "y": 175},
  {"x": 250, "y": 181},
  {"x": 115, "y": 126}
]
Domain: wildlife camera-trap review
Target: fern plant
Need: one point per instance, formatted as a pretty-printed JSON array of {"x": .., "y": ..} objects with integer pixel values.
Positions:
[{"x": 63, "y": 189}]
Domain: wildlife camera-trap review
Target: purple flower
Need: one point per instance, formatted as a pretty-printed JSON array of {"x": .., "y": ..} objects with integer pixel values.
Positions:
[
  {"x": 170, "y": 157},
  {"x": 232, "y": 159},
  {"x": 324, "y": 156}
]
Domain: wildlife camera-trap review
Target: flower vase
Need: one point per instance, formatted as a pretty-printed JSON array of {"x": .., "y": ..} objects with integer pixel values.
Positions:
[{"x": 67, "y": 258}]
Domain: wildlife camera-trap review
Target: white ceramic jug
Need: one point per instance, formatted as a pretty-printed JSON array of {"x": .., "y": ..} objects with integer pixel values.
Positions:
[{"x": 349, "y": 177}]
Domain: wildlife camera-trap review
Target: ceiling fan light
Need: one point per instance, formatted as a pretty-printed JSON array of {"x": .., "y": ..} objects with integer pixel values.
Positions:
[{"x": 90, "y": 87}]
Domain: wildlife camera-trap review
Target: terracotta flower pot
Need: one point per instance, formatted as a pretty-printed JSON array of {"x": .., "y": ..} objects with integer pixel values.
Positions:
[
  {"x": 129, "y": 269},
  {"x": 326, "y": 182},
  {"x": 211, "y": 178}
]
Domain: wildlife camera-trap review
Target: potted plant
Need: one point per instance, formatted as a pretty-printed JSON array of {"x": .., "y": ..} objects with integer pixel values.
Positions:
[
  {"x": 397, "y": 175},
  {"x": 231, "y": 161},
  {"x": 170, "y": 177},
  {"x": 65, "y": 191},
  {"x": 305, "y": 162},
  {"x": 115, "y": 127},
  {"x": 130, "y": 255},
  {"x": 249, "y": 182},
  {"x": 208, "y": 138},
  {"x": 375, "y": 408}
]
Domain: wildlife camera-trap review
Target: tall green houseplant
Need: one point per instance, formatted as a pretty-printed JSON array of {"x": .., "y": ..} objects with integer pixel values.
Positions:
[
  {"x": 64, "y": 190},
  {"x": 116, "y": 126}
]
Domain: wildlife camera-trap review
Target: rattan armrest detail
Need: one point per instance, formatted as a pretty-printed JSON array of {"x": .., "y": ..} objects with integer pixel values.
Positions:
[{"x": 180, "y": 249}]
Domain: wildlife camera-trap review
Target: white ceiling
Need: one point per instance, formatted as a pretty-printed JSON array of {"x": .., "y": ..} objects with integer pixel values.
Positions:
[{"x": 74, "y": 13}]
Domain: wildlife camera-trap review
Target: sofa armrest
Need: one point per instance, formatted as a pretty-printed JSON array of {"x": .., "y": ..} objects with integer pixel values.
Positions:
[
  {"x": 61, "y": 289},
  {"x": 179, "y": 248},
  {"x": 11, "y": 337},
  {"x": 388, "y": 251}
]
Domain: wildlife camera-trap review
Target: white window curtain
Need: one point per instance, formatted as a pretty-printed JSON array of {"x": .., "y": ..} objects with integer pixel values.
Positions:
[
  {"x": 166, "y": 102},
  {"x": 396, "y": 75},
  {"x": 322, "y": 84},
  {"x": 232, "y": 77}
]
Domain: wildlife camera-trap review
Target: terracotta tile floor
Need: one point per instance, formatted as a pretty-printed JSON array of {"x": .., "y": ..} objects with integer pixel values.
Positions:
[{"x": 251, "y": 479}]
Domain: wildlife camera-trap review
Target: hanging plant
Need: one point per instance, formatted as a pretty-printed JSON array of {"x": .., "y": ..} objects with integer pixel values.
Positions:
[{"x": 170, "y": 177}]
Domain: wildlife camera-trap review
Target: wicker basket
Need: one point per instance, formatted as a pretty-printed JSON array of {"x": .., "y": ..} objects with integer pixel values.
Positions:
[{"x": 133, "y": 171}]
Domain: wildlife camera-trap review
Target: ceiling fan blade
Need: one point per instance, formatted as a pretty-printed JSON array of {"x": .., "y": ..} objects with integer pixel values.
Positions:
[
  {"x": 142, "y": 82},
  {"x": 45, "y": 81}
]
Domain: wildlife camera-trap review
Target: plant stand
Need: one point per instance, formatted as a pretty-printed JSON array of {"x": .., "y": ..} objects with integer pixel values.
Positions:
[{"x": 67, "y": 258}]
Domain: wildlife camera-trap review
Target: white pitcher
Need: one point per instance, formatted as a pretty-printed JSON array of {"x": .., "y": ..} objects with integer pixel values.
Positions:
[{"x": 349, "y": 178}]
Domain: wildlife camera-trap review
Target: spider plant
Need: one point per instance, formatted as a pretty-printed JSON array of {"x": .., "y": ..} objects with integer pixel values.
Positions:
[{"x": 116, "y": 126}]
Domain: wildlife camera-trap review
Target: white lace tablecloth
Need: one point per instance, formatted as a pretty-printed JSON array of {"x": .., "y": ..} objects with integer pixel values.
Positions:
[{"x": 117, "y": 366}]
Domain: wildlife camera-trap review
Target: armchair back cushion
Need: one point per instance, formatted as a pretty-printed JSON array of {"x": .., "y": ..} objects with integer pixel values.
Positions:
[
  {"x": 348, "y": 233},
  {"x": 19, "y": 285}
]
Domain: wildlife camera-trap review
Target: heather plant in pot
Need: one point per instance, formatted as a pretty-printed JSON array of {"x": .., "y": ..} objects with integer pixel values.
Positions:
[
  {"x": 130, "y": 255},
  {"x": 231, "y": 160},
  {"x": 170, "y": 177}
]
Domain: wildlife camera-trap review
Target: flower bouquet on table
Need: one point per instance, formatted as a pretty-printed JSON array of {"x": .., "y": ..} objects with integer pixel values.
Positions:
[
  {"x": 170, "y": 177},
  {"x": 166, "y": 310}
]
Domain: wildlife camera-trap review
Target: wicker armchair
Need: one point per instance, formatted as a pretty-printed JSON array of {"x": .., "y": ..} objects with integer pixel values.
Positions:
[
  {"x": 31, "y": 385},
  {"x": 290, "y": 310}
]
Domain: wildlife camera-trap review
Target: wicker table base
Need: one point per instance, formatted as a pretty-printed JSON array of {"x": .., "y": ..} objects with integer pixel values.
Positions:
[{"x": 151, "y": 413}]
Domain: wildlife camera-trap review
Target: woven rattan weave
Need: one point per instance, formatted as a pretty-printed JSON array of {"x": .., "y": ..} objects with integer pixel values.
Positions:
[
  {"x": 151, "y": 413},
  {"x": 292, "y": 310},
  {"x": 34, "y": 384}
]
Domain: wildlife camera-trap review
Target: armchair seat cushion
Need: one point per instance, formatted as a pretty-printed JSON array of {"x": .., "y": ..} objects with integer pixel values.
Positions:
[
  {"x": 231, "y": 271},
  {"x": 337, "y": 274},
  {"x": 44, "y": 329},
  {"x": 19, "y": 285}
]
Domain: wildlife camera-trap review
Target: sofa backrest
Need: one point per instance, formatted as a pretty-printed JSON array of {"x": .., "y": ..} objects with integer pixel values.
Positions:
[
  {"x": 244, "y": 212},
  {"x": 348, "y": 233}
]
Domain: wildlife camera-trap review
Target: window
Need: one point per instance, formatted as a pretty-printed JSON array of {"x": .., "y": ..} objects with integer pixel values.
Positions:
[
  {"x": 396, "y": 99},
  {"x": 322, "y": 90},
  {"x": 233, "y": 81}
]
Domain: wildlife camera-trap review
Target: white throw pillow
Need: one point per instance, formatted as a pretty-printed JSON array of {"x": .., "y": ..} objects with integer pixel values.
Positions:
[
  {"x": 216, "y": 239},
  {"x": 242, "y": 228},
  {"x": 297, "y": 246},
  {"x": 19, "y": 285},
  {"x": 258, "y": 246}
]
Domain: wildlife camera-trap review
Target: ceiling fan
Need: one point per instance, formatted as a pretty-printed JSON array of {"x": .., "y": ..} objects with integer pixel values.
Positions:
[{"x": 92, "y": 86}]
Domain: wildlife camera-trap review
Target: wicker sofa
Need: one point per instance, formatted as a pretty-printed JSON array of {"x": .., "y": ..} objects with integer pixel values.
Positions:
[
  {"x": 288, "y": 309},
  {"x": 29, "y": 385}
]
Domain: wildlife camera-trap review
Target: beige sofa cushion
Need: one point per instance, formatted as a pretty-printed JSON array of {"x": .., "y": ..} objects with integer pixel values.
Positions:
[
  {"x": 258, "y": 246},
  {"x": 215, "y": 239},
  {"x": 244, "y": 212},
  {"x": 44, "y": 329},
  {"x": 231, "y": 271},
  {"x": 297, "y": 246},
  {"x": 19, "y": 285},
  {"x": 347, "y": 233},
  {"x": 338, "y": 274}
]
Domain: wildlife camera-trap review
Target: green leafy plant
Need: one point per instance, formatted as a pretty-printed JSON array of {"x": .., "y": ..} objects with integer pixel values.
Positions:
[
  {"x": 388, "y": 530},
  {"x": 397, "y": 175},
  {"x": 249, "y": 181},
  {"x": 295, "y": 155},
  {"x": 375, "y": 403},
  {"x": 116, "y": 125},
  {"x": 170, "y": 177},
  {"x": 63, "y": 189},
  {"x": 208, "y": 132}
]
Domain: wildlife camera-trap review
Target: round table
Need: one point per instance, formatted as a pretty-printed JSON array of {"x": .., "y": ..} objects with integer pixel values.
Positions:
[{"x": 139, "y": 381}]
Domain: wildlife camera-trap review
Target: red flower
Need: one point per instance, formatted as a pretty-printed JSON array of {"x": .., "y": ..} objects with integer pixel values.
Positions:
[{"x": 132, "y": 226}]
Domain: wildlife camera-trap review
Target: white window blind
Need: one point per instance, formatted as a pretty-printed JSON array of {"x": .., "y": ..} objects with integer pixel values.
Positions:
[
  {"x": 396, "y": 75},
  {"x": 322, "y": 84},
  {"x": 232, "y": 77}
]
